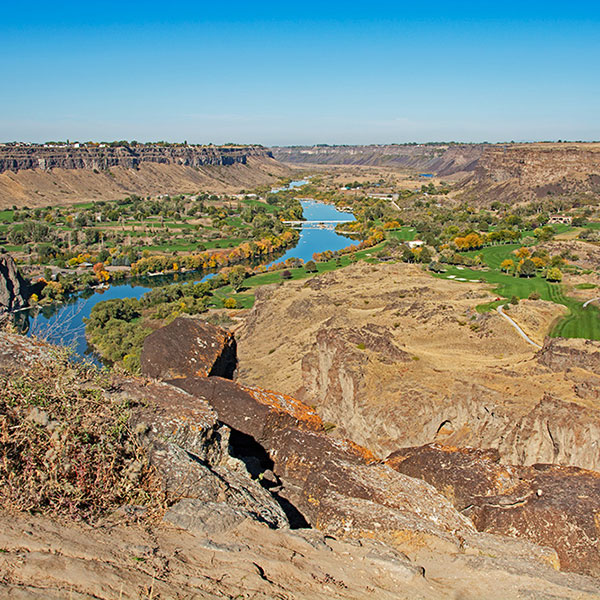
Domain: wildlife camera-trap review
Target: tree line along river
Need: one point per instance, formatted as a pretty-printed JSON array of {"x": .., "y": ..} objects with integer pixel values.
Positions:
[{"x": 64, "y": 324}]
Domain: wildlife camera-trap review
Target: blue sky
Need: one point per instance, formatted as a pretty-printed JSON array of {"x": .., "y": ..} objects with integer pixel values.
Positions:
[{"x": 302, "y": 73}]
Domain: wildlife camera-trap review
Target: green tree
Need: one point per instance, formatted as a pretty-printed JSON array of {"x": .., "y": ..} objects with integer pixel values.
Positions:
[
  {"x": 527, "y": 268},
  {"x": 310, "y": 267},
  {"x": 236, "y": 277}
]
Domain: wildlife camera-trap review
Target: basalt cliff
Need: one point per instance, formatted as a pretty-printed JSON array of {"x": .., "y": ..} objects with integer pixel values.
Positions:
[
  {"x": 260, "y": 501},
  {"x": 522, "y": 172},
  {"x": 442, "y": 159},
  {"x": 13, "y": 287},
  {"x": 39, "y": 175}
]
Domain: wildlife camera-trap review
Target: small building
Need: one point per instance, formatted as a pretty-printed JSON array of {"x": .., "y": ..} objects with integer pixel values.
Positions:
[
  {"x": 389, "y": 196},
  {"x": 564, "y": 219},
  {"x": 415, "y": 243}
]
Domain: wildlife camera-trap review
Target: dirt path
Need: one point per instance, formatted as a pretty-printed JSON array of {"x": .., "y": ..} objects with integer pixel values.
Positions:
[{"x": 519, "y": 330}]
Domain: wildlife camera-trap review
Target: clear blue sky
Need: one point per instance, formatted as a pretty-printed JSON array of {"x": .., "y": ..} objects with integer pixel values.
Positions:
[{"x": 300, "y": 73}]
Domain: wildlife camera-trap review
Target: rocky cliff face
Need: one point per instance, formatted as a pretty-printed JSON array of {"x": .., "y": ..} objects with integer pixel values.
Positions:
[
  {"x": 13, "y": 288},
  {"x": 443, "y": 160},
  {"x": 19, "y": 158},
  {"x": 38, "y": 176},
  {"x": 536, "y": 171},
  {"x": 395, "y": 358}
]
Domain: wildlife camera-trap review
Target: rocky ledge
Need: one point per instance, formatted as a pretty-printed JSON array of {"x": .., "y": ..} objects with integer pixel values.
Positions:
[{"x": 262, "y": 502}]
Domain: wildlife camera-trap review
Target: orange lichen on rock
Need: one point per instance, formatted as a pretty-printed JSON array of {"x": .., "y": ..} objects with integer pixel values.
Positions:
[{"x": 306, "y": 416}]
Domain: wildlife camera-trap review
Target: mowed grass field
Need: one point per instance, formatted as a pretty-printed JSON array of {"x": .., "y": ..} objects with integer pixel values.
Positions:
[
  {"x": 579, "y": 323},
  {"x": 404, "y": 234}
]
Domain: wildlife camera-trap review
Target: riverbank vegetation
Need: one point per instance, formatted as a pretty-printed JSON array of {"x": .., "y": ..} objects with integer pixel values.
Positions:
[{"x": 72, "y": 248}]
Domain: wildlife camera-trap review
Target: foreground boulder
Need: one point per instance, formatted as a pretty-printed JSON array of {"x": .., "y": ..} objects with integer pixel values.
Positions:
[
  {"x": 189, "y": 347},
  {"x": 548, "y": 504},
  {"x": 336, "y": 485},
  {"x": 190, "y": 450}
]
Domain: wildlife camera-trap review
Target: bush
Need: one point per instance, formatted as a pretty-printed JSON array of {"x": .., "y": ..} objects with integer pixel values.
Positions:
[
  {"x": 514, "y": 300},
  {"x": 230, "y": 303},
  {"x": 286, "y": 274},
  {"x": 535, "y": 296}
]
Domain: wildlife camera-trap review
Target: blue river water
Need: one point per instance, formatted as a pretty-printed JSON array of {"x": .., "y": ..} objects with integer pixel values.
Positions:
[{"x": 66, "y": 326}]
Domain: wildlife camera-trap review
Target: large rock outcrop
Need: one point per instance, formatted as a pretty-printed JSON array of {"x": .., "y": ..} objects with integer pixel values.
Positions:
[
  {"x": 13, "y": 288},
  {"x": 547, "y": 504},
  {"x": 333, "y": 484},
  {"x": 189, "y": 347},
  {"x": 395, "y": 358}
]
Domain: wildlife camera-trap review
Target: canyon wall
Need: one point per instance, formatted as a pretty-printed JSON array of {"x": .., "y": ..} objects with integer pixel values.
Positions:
[
  {"x": 523, "y": 172},
  {"x": 487, "y": 172},
  {"x": 40, "y": 176},
  {"x": 442, "y": 159},
  {"x": 19, "y": 158}
]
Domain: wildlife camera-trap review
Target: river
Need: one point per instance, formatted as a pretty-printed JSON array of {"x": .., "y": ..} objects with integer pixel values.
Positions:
[{"x": 65, "y": 325}]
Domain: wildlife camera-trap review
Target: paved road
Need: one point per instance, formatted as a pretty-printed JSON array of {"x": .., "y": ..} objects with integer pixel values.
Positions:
[
  {"x": 520, "y": 331},
  {"x": 592, "y": 300}
]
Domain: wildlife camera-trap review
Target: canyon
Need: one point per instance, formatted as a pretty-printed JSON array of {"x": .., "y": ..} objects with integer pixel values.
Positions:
[
  {"x": 387, "y": 353},
  {"x": 487, "y": 172}
]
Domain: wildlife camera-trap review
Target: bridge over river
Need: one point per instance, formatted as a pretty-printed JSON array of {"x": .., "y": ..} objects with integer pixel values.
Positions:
[{"x": 314, "y": 224}]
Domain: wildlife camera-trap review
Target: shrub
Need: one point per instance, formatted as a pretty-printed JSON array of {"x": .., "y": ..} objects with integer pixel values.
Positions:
[
  {"x": 66, "y": 448},
  {"x": 535, "y": 296},
  {"x": 230, "y": 303},
  {"x": 514, "y": 300}
]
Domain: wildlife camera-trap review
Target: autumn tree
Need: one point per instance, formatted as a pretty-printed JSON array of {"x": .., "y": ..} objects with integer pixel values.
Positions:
[
  {"x": 507, "y": 265},
  {"x": 554, "y": 274},
  {"x": 523, "y": 253},
  {"x": 102, "y": 275}
]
